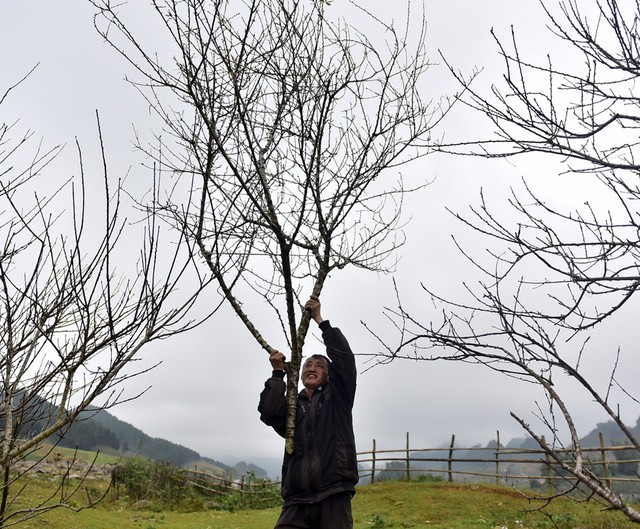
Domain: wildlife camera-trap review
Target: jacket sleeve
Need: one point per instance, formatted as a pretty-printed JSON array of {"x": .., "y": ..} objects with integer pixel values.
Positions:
[
  {"x": 273, "y": 403},
  {"x": 343, "y": 372}
]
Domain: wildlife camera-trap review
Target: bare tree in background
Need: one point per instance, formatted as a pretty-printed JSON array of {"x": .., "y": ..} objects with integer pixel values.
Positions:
[
  {"x": 281, "y": 118},
  {"x": 80, "y": 295},
  {"x": 552, "y": 278}
]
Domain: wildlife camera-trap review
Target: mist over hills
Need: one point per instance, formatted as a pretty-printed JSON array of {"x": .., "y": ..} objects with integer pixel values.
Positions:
[
  {"x": 97, "y": 429},
  {"x": 481, "y": 458},
  {"x": 611, "y": 433}
]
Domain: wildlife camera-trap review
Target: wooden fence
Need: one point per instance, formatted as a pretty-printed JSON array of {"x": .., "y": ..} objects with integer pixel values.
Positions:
[
  {"x": 253, "y": 491},
  {"x": 489, "y": 464},
  {"x": 494, "y": 463}
]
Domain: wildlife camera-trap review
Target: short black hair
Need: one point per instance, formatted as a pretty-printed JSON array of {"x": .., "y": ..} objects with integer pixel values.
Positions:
[{"x": 324, "y": 359}]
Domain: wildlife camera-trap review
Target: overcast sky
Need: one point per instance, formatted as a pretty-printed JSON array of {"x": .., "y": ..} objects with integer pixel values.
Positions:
[{"x": 197, "y": 398}]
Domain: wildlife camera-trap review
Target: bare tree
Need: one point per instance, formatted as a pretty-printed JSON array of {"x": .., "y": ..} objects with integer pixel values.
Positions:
[
  {"x": 282, "y": 117},
  {"x": 78, "y": 303},
  {"x": 552, "y": 277}
]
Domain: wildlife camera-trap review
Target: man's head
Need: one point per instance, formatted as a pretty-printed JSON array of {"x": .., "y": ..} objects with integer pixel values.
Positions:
[{"x": 315, "y": 371}]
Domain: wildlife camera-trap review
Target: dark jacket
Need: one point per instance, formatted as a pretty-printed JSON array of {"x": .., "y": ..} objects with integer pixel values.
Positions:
[{"x": 324, "y": 459}]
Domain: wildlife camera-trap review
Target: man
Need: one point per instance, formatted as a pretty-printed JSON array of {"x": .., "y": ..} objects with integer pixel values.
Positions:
[{"x": 319, "y": 478}]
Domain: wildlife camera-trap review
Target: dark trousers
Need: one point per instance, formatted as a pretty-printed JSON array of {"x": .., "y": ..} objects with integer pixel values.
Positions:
[{"x": 333, "y": 512}]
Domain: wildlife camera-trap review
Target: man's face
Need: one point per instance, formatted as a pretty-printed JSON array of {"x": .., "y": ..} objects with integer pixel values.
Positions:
[{"x": 314, "y": 373}]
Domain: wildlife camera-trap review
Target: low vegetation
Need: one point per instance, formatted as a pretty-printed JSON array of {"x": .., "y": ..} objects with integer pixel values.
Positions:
[
  {"x": 160, "y": 486},
  {"x": 389, "y": 504}
]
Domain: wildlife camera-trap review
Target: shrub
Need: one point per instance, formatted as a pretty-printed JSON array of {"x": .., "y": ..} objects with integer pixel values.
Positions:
[
  {"x": 153, "y": 481},
  {"x": 429, "y": 478},
  {"x": 169, "y": 487}
]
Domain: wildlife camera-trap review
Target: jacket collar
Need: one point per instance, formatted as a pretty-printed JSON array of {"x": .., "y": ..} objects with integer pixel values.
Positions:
[{"x": 319, "y": 389}]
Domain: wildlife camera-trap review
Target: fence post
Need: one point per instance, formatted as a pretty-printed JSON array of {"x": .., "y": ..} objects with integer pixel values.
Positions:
[
  {"x": 497, "y": 456},
  {"x": 449, "y": 463},
  {"x": 408, "y": 464},
  {"x": 243, "y": 496},
  {"x": 373, "y": 462},
  {"x": 605, "y": 465},
  {"x": 549, "y": 469}
]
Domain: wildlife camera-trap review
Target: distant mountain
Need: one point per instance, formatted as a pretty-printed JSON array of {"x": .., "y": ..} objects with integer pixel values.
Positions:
[
  {"x": 611, "y": 433},
  {"x": 97, "y": 429},
  {"x": 88, "y": 436},
  {"x": 135, "y": 442},
  {"x": 481, "y": 459},
  {"x": 523, "y": 442},
  {"x": 243, "y": 468}
]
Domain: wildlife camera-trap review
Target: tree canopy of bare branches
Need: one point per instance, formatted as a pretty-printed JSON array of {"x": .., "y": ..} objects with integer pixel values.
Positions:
[
  {"x": 554, "y": 277},
  {"x": 282, "y": 118},
  {"x": 586, "y": 116},
  {"x": 77, "y": 304}
]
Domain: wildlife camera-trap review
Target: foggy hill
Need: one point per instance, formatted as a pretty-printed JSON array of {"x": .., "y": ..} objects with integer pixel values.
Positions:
[
  {"x": 99, "y": 430},
  {"x": 612, "y": 434}
]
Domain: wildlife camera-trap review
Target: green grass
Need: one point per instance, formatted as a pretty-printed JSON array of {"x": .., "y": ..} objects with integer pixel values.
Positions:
[
  {"x": 459, "y": 506},
  {"x": 379, "y": 506},
  {"x": 100, "y": 458}
]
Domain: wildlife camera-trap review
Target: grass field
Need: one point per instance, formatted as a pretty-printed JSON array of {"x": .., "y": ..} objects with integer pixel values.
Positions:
[
  {"x": 100, "y": 458},
  {"x": 379, "y": 506}
]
